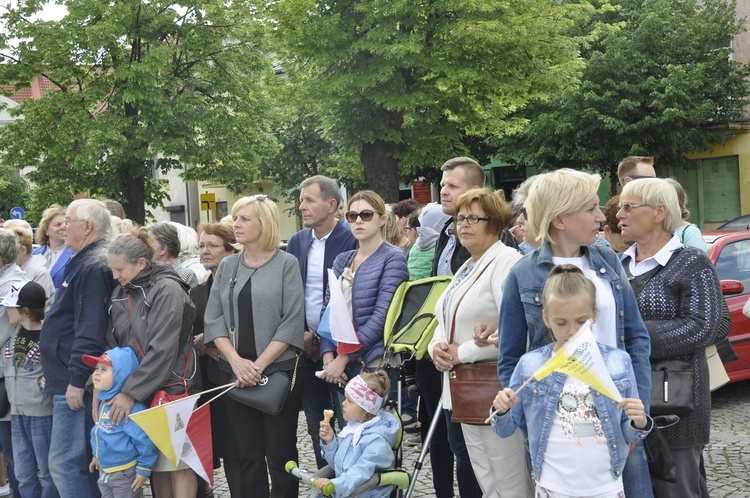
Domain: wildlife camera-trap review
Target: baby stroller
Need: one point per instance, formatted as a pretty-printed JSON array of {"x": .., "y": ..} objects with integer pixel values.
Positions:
[
  {"x": 399, "y": 479},
  {"x": 409, "y": 325}
]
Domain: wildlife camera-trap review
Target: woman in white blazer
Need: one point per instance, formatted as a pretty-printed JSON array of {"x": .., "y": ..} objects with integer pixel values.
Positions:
[{"x": 474, "y": 297}]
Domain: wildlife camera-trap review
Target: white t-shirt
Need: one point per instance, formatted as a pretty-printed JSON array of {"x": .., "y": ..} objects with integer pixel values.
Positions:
[
  {"x": 605, "y": 328},
  {"x": 576, "y": 457},
  {"x": 314, "y": 291}
]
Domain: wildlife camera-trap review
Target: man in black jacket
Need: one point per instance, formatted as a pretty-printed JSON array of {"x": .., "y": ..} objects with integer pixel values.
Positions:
[
  {"x": 316, "y": 246},
  {"x": 460, "y": 175}
]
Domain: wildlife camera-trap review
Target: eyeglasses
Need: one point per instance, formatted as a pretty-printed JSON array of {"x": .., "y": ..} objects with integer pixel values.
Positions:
[
  {"x": 209, "y": 245},
  {"x": 68, "y": 221},
  {"x": 366, "y": 215},
  {"x": 472, "y": 219},
  {"x": 629, "y": 206}
]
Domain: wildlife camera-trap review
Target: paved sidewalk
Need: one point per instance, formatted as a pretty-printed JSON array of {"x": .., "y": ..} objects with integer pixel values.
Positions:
[
  {"x": 307, "y": 461},
  {"x": 727, "y": 456}
]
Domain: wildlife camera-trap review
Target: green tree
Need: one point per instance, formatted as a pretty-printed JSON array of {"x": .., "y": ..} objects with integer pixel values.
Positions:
[
  {"x": 139, "y": 87},
  {"x": 663, "y": 85},
  {"x": 14, "y": 191},
  {"x": 409, "y": 84}
]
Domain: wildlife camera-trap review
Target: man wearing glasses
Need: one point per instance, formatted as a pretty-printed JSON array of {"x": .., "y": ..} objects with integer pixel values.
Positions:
[
  {"x": 75, "y": 326},
  {"x": 635, "y": 168},
  {"x": 316, "y": 246}
]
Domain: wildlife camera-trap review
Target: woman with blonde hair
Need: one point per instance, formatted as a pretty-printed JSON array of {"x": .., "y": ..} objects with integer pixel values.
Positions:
[
  {"x": 255, "y": 318},
  {"x": 563, "y": 212},
  {"x": 474, "y": 296},
  {"x": 369, "y": 275},
  {"x": 50, "y": 235}
]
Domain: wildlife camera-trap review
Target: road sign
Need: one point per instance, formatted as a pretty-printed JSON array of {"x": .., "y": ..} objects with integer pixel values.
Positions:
[
  {"x": 208, "y": 202},
  {"x": 17, "y": 213}
]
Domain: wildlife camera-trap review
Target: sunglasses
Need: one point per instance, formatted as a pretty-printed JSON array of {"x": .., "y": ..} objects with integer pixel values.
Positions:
[
  {"x": 260, "y": 197},
  {"x": 366, "y": 215}
]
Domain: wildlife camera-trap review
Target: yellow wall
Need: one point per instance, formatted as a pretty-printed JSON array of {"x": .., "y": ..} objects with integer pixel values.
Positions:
[
  {"x": 289, "y": 224},
  {"x": 739, "y": 146}
]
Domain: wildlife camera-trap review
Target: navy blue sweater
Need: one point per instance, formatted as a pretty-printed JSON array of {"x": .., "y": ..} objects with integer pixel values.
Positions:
[{"x": 77, "y": 323}]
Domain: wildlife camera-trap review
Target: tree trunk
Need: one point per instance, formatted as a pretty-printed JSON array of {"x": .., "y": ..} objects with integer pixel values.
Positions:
[
  {"x": 380, "y": 163},
  {"x": 135, "y": 195}
]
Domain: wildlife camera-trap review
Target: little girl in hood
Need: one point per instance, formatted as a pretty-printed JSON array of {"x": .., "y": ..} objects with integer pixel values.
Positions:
[{"x": 365, "y": 445}]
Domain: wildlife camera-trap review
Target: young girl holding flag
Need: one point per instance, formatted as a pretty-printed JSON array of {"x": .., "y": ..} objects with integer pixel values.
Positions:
[{"x": 578, "y": 437}]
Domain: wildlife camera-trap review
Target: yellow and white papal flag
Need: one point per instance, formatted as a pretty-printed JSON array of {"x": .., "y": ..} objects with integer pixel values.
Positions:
[
  {"x": 580, "y": 357},
  {"x": 166, "y": 425}
]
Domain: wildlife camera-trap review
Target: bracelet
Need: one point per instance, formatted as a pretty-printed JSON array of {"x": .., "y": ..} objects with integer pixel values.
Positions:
[{"x": 325, "y": 363}]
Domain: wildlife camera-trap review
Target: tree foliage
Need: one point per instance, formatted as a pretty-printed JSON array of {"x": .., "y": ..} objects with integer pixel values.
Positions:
[
  {"x": 409, "y": 84},
  {"x": 139, "y": 87},
  {"x": 14, "y": 191},
  {"x": 662, "y": 85}
]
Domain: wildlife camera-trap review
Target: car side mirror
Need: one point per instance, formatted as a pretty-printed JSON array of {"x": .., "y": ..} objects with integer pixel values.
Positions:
[{"x": 729, "y": 287}]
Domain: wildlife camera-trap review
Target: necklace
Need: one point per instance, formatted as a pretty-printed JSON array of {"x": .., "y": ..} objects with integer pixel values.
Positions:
[{"x": 258, "y": 260}]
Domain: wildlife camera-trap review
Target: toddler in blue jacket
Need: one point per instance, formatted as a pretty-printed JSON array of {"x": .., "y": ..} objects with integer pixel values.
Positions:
[
  {"x": 365, "y": 445},
  {"x": 123, "y": 453}
]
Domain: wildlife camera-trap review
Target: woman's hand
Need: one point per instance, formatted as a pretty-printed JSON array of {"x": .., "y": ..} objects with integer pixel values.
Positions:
[
  {"x": 635, "y": 411},
  {"x": 246, "y": 371},
  {"x": 199, "y": 345},
  {"x": 212, "y": 353},
  {"x": 326, "y": 432},
  {"x": 442, "y": 357},
  {"x": 333, "y": 371},
  {"x": 505, "y": 400},
  {"x": 485, "y": 333}
]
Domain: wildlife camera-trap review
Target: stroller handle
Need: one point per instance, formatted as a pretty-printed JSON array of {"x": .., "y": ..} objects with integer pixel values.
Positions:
[{"x": 311, "y": 480}]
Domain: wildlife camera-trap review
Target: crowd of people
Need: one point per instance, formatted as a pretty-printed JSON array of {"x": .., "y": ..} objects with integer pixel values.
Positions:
[{"x": 106, "y": 316}]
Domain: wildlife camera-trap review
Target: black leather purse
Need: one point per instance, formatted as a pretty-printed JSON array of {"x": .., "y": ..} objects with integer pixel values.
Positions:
[{"x": 672, "y": 387}]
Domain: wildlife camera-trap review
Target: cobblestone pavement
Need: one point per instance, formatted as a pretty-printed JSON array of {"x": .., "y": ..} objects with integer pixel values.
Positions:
[{"x": 727, "y": 456}]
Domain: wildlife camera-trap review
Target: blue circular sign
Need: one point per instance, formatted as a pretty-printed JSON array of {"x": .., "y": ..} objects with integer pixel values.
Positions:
[{"x": 17, "y": 213}]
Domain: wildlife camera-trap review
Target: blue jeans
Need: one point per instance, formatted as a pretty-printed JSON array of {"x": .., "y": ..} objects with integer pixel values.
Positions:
[
  {"x": 69, "y": 451},
  {"x": 447, "y": 440},
  {"x": 636, "y": 479},
  {"x": 408, "y": 406},
  {"x": 6, "y": 447},
  {"x": 468, "y": 486},
  {"x": 31, "y": 439}
]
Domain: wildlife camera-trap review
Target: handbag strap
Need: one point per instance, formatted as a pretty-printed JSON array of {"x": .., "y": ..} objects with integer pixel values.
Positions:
[{"x": 233, "y": 329}]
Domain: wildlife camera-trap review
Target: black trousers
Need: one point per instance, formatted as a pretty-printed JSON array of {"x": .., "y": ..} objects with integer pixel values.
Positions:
[{"x": 265, "y": 444}]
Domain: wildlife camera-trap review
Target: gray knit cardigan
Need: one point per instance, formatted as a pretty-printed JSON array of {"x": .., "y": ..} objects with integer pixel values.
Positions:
[
  {"x": 278, "y": 302},
  {"x": 681, "y": 307}
]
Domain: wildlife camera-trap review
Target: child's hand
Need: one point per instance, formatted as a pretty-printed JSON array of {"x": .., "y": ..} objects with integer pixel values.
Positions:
[
  {"x": 94, "y": 465},
  {"x": 322, "y": 481},
  {"x": 505, "y": 400},
  {"x": 326, "y": 432},
  {"x": 138, "y": 482},
  {"x": 635, "y": 411}
]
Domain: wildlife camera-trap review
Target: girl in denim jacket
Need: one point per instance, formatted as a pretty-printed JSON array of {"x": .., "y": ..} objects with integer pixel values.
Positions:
[{"x": 578, "y": 438}]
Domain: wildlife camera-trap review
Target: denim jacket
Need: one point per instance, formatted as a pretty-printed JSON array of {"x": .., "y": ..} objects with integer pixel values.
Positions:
[
  {"x": 520, "y": 321},
  {"x": 537, "y": 405}
]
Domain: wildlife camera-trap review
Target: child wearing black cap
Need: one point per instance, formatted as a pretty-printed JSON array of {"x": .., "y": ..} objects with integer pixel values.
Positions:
[
  {"x": 31, "y": 409},
  {"x": 123, "y": 453}
]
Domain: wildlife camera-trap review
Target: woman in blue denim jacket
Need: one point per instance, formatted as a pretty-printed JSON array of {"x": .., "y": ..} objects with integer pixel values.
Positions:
[
  {"x": 567, "y": 420},
  {"x": 562, "y": 209}
]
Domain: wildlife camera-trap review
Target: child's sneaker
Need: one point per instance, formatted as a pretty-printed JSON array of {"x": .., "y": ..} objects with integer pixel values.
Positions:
[{"x": 5, "y": 490}]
